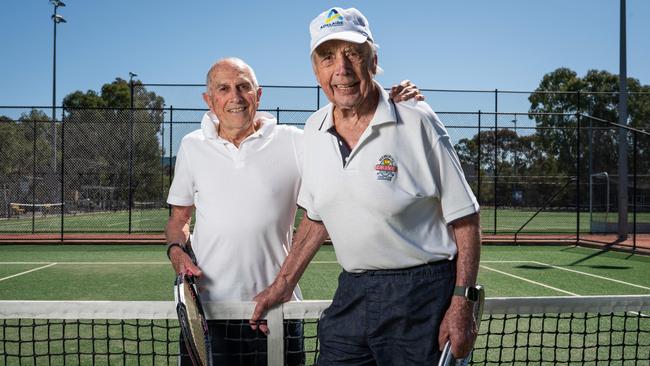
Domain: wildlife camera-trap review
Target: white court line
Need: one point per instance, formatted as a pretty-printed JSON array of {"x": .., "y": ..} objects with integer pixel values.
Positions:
[
  {"x": 316, "y": 262},
  {"x": 92, "y": 263},
  {"x": 132, "y": 222},
  {"x": 531, "y": 281},
  {"x": 592, "y": 275},
  {"x": 114, "y": 263},
  {"x": 22, "y": 273},
  {"x": 505, "y": 261}
]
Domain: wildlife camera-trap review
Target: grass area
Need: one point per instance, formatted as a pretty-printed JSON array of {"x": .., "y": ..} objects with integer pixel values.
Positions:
[
  {"x": 151, "y": 220},
  {"x": 154, "y": 220},
  {"x": 104, "y": 272},
  {"x": 141, "y": 272}
]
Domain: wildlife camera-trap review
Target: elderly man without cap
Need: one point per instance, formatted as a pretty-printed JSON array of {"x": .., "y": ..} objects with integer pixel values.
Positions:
[
  {"x": 241, "y": 173},
  {"x": 384, "y": 181}
]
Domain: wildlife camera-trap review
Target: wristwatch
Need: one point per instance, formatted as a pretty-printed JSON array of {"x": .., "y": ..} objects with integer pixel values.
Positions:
[
  {"x": 171, "y": 245},
  {"x": 471, "y": 293}
]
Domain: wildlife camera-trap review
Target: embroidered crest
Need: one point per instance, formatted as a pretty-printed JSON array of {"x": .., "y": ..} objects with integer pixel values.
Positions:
[{"x": 387, "y": 168}]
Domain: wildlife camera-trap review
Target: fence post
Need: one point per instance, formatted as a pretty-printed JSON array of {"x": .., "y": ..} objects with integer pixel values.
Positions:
[
  {"x": 162, "y": 155},
  {"x": 634, "y": 192},
  {"x": 131, "y": 156},
  {"x": 478, "y": 162},
  {"x": 578, "y": 180},
  {"x": 171, "y": 147},
  {"x": 62, "y": 170},
  {"x": 34, "y": 176},
  {"x": 496, "y": 156},
  {"x": 578, "y": 170}
]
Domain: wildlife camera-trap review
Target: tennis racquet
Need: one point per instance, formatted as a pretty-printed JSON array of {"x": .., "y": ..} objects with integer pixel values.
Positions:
[
  {"x": 447, "y": 359},
  {"x": 193, "y": 324}
]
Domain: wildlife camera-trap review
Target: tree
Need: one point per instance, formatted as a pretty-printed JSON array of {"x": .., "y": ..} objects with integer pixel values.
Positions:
[
  {"x": 519, "y": 163},
  {"x": 105, "y": 140},
  {"x": 25, "y": 159},
  {"x": 596, "y": 94}
]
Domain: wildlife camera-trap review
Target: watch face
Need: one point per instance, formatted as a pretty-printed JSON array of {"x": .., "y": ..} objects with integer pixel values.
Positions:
[{"x": 472, "y": 293}]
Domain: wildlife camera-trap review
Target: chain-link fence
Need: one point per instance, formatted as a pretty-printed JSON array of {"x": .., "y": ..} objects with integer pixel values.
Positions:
[{"x": 108, "y": 170}]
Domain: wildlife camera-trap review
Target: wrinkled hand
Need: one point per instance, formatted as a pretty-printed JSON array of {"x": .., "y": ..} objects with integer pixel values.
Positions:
[
  {"x": 182, "y": 263},
  {"x": 404, "y": 91},
  {"x": 459, "y": 327},
  {"x": 278, "y": 292}
]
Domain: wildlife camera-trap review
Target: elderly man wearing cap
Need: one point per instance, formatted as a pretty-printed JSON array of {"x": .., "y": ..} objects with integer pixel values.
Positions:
[
  {"x": 384, "y": 181},
  {"x": 244, "y": 210}
]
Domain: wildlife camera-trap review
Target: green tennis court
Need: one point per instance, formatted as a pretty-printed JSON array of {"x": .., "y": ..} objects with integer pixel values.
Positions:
[
  {"x": 513, "y": 333},
  {"x": 142, "y": 272},
  {"x": 153, "y": 220}
]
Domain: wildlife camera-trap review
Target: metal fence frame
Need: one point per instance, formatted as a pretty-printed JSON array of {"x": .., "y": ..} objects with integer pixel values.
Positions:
[{"x": 279, "y": 113}]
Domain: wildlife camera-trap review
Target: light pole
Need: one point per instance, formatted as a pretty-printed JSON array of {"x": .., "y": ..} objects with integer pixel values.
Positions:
[
  {"x": 131, "y": 76},
  {"x": 56, "y": 19},
  {"x": 622, "y": 133}
]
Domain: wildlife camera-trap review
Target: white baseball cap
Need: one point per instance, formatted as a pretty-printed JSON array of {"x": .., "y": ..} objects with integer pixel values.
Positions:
[{"x": 338, "y": 23}]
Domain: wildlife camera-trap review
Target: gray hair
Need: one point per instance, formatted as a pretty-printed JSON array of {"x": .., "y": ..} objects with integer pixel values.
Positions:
[{"x": 233, "y": 60}]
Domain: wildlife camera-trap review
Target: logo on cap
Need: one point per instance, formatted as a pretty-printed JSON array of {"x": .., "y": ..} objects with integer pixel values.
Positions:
[
  {"x": 333, "y": 14},
  {"x": 333, "y": 19},
  {"x": 387, "y": 168}
]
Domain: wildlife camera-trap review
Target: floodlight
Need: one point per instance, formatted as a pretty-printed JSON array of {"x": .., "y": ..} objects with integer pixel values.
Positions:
[{"x": 58, "y": 18}]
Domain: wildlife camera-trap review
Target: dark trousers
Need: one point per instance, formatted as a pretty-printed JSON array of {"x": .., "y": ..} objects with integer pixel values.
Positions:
[
  {"x": 387, "y": 317},
  {"x": 234, "y": 343}
]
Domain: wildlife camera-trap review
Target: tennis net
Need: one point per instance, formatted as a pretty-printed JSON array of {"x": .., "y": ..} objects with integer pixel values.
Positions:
[{"x": 592, "y": 330}]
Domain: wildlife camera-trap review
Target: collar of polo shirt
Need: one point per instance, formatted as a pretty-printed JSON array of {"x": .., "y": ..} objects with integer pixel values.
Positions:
[{"x": 210, "y": 125}]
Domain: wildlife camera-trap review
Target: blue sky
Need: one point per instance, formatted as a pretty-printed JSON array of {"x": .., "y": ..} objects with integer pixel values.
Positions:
[{"x": 508, "y": 44}]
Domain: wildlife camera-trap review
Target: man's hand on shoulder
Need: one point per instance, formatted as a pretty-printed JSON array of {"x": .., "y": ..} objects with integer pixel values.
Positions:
[
  {"x": 459, "y": 327},
  {"x": 405, "y": 90},
  {"x": 182, "y": 262}
]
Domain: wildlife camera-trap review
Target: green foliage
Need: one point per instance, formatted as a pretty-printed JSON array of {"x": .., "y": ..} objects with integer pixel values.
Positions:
[
  {"x": 105, "y": 140},
  {"x": 553, "y": 151},
  {"x": 595, "y": 94}
]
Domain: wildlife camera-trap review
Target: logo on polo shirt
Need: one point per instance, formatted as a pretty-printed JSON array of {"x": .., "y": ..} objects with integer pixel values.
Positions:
[
  {"x": 333, "y": 19},
  {"x": 387, "y": 168}
]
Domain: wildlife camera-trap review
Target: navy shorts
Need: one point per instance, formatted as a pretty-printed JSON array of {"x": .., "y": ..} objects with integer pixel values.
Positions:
[
  {"x": 234, "y": 343},
  {"x": 387, "y": 317}
]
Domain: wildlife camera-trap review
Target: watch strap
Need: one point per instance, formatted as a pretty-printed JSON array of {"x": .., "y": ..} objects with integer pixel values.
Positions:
[
  {"x": 468, "y": 292},
  {"x": 171, "y": 245}
]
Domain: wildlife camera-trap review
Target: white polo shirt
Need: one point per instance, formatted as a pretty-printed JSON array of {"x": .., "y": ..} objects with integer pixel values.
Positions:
[
  {"x": 245, "y": 201},
  {"x": 390, "y": 205}
]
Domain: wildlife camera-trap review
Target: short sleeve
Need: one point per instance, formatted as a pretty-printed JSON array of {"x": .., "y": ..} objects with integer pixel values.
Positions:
[
  {"x": 455, "y": 194},
  {"x": 306, "y": 193},
  {"x": 299, "y": 148},
  {"x": 181, "y": 192}
]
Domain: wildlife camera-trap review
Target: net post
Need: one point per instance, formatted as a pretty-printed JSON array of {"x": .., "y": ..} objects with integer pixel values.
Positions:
[{"x": 275, "y": 340}]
